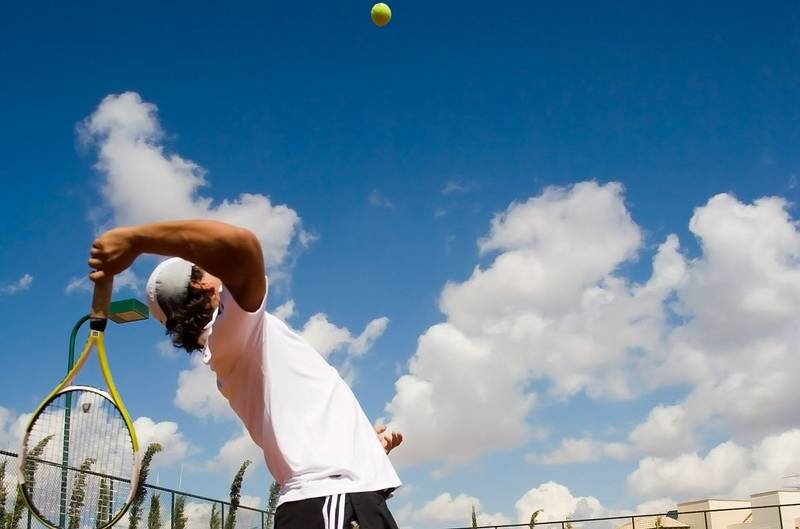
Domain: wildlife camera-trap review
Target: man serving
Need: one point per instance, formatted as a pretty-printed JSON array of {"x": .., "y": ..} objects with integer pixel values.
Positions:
[{"x": 211, "y": 296}]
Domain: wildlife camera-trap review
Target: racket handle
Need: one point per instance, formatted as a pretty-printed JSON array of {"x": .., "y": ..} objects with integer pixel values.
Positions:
[{"x": 101, "y": 299}]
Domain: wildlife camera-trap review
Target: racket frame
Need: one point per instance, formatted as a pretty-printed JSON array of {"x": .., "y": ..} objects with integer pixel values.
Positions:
[{"x": 95, "y": 340}]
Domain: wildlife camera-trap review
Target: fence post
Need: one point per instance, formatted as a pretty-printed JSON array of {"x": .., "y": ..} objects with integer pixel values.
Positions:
[
  {"x": 705, "y": 518},
  {"x": 222, "y": 515},
  {"x": 780, "y": 515},
  {"x": 633, "y": 522},
  {"x": 262, "y": 519},
  {"x": 172, "y": 509}
]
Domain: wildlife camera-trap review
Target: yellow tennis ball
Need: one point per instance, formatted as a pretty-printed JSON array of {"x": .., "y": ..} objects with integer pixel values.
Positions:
[{"x": 381, "y": 14}]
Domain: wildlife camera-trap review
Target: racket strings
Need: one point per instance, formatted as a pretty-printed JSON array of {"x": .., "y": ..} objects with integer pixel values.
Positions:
[{"x": 94, "y": 485}]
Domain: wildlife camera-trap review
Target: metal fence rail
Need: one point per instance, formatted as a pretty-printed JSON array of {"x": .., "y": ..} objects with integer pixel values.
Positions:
[{"x": 198, "y": 511}]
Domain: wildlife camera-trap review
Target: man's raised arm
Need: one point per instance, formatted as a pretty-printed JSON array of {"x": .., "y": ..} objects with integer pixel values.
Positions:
[{"x": 231, "y": 253}]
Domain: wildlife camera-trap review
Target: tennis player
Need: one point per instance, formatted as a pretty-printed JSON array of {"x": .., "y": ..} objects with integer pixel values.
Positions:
[{"x": 318, "y": 444}]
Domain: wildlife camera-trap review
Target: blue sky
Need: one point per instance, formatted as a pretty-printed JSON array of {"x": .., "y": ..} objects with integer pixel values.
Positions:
[{"x": 591, "y": 133}]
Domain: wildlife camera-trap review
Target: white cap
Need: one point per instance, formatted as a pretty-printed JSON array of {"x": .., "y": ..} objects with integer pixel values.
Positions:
[{"x": 167, "y": 287}]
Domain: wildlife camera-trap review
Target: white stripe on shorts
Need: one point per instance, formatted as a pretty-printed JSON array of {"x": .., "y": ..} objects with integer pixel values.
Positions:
[{"x": 325, "y": 512}]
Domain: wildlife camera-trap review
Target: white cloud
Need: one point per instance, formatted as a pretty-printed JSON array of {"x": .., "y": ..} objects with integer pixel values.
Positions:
[
  {"x": 455, "y": 186},
  {"x": 727, "y": 469},
  {"x": 689, "y": 475},
  {"x": 198, "y": 395},
  {"x": 552, "y": 310},
  {"x": 77, "y": 284},
  {"x": 197, "y": 514},
  {"x": 167, "y": 350},
  {"x": 457, "y": 510},
  {"x": 328, "y": 338},
  {"x": 143, "y": 183},
  {"x": 12, "y": 427},
  {"x": 20, "y": 285},
  {"x": 128, "y": 279},
  {"x": 549, "y": 306},
  {"x": 364, "y": 341},
  {"x": 738, "y": 347},
  {"x": 666, "y": 431},
  {"x": 174, "y": 445},
  {"x": 235, "y": 451},
  {"x": 250, "y": 501},
  {"x": 403, "y": 515},
  {"x": 323, "y": 335},
  {"x": 580, "y": 450},
  {"x": 555, "y": 500},
  {"x": 448, "y": 509},
  {"x": 557, "y": 503},
  {"x": 284, "y": 312}
]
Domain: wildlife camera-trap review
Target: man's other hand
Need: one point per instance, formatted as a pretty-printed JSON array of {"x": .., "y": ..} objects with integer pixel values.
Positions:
[{"x": 388, "y": 439}]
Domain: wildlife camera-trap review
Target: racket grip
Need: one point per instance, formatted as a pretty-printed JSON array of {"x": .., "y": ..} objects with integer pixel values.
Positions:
[{"x": 101, "y": 299}]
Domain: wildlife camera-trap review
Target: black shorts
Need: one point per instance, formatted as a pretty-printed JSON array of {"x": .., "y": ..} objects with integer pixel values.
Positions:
[{"x": 365, "y": 510}]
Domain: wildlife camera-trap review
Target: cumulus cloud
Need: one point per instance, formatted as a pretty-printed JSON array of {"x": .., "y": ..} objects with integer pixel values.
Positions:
[
  {"x": 142, "y": 182},
  {"x": 557, "y": 503},
  {"x": 698, "y": 476},
  {"x": 554, "y": 501},
  {"x": 20, "y": 285},
  {"x": 549, "y": 306},
  {"x": 552, "y": 314},
  {"x": 727, "y": 469},
  {"x": 285, "y": 311},
  {"x": 198, "y": 514},
  {"x": 167, "y": 350},
  {"x": 447, "y": 509},
  {"x": 580, "y": 450},
  {"x": 666, "y": 431},
  {"x": 174, "y": 445},
  {"x": 251, "y": 501},
  {"x": 364, "y": 341},
  {"x": 324, "y": 336},
  {"x": 328, "y": 338},
  {"x": 738, "y": 347},
  {"x": 12, "y": 427},
  {"x": 235, "y": 451},
  {"x": 456, "y": 510}
]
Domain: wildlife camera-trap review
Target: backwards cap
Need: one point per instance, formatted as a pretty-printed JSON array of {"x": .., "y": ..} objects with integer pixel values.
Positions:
[{"x": 167, "y": 287}]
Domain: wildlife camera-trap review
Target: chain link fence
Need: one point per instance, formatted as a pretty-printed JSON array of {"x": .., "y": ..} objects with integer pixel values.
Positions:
[{"x": 163, "y": 508}]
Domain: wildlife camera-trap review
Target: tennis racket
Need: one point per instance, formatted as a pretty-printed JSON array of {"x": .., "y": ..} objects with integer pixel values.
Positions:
[{"x": 79, "y": 461}]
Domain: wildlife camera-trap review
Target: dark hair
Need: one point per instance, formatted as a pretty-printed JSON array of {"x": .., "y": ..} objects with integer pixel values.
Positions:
[{"x": 186, "y": 324}]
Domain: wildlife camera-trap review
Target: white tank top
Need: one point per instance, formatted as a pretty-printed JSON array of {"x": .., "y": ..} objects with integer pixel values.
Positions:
[{"x": 316, "y": 439}]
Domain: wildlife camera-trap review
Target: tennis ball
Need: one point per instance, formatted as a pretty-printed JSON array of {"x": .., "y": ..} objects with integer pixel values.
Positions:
[{"x": 381, "y": 14}]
